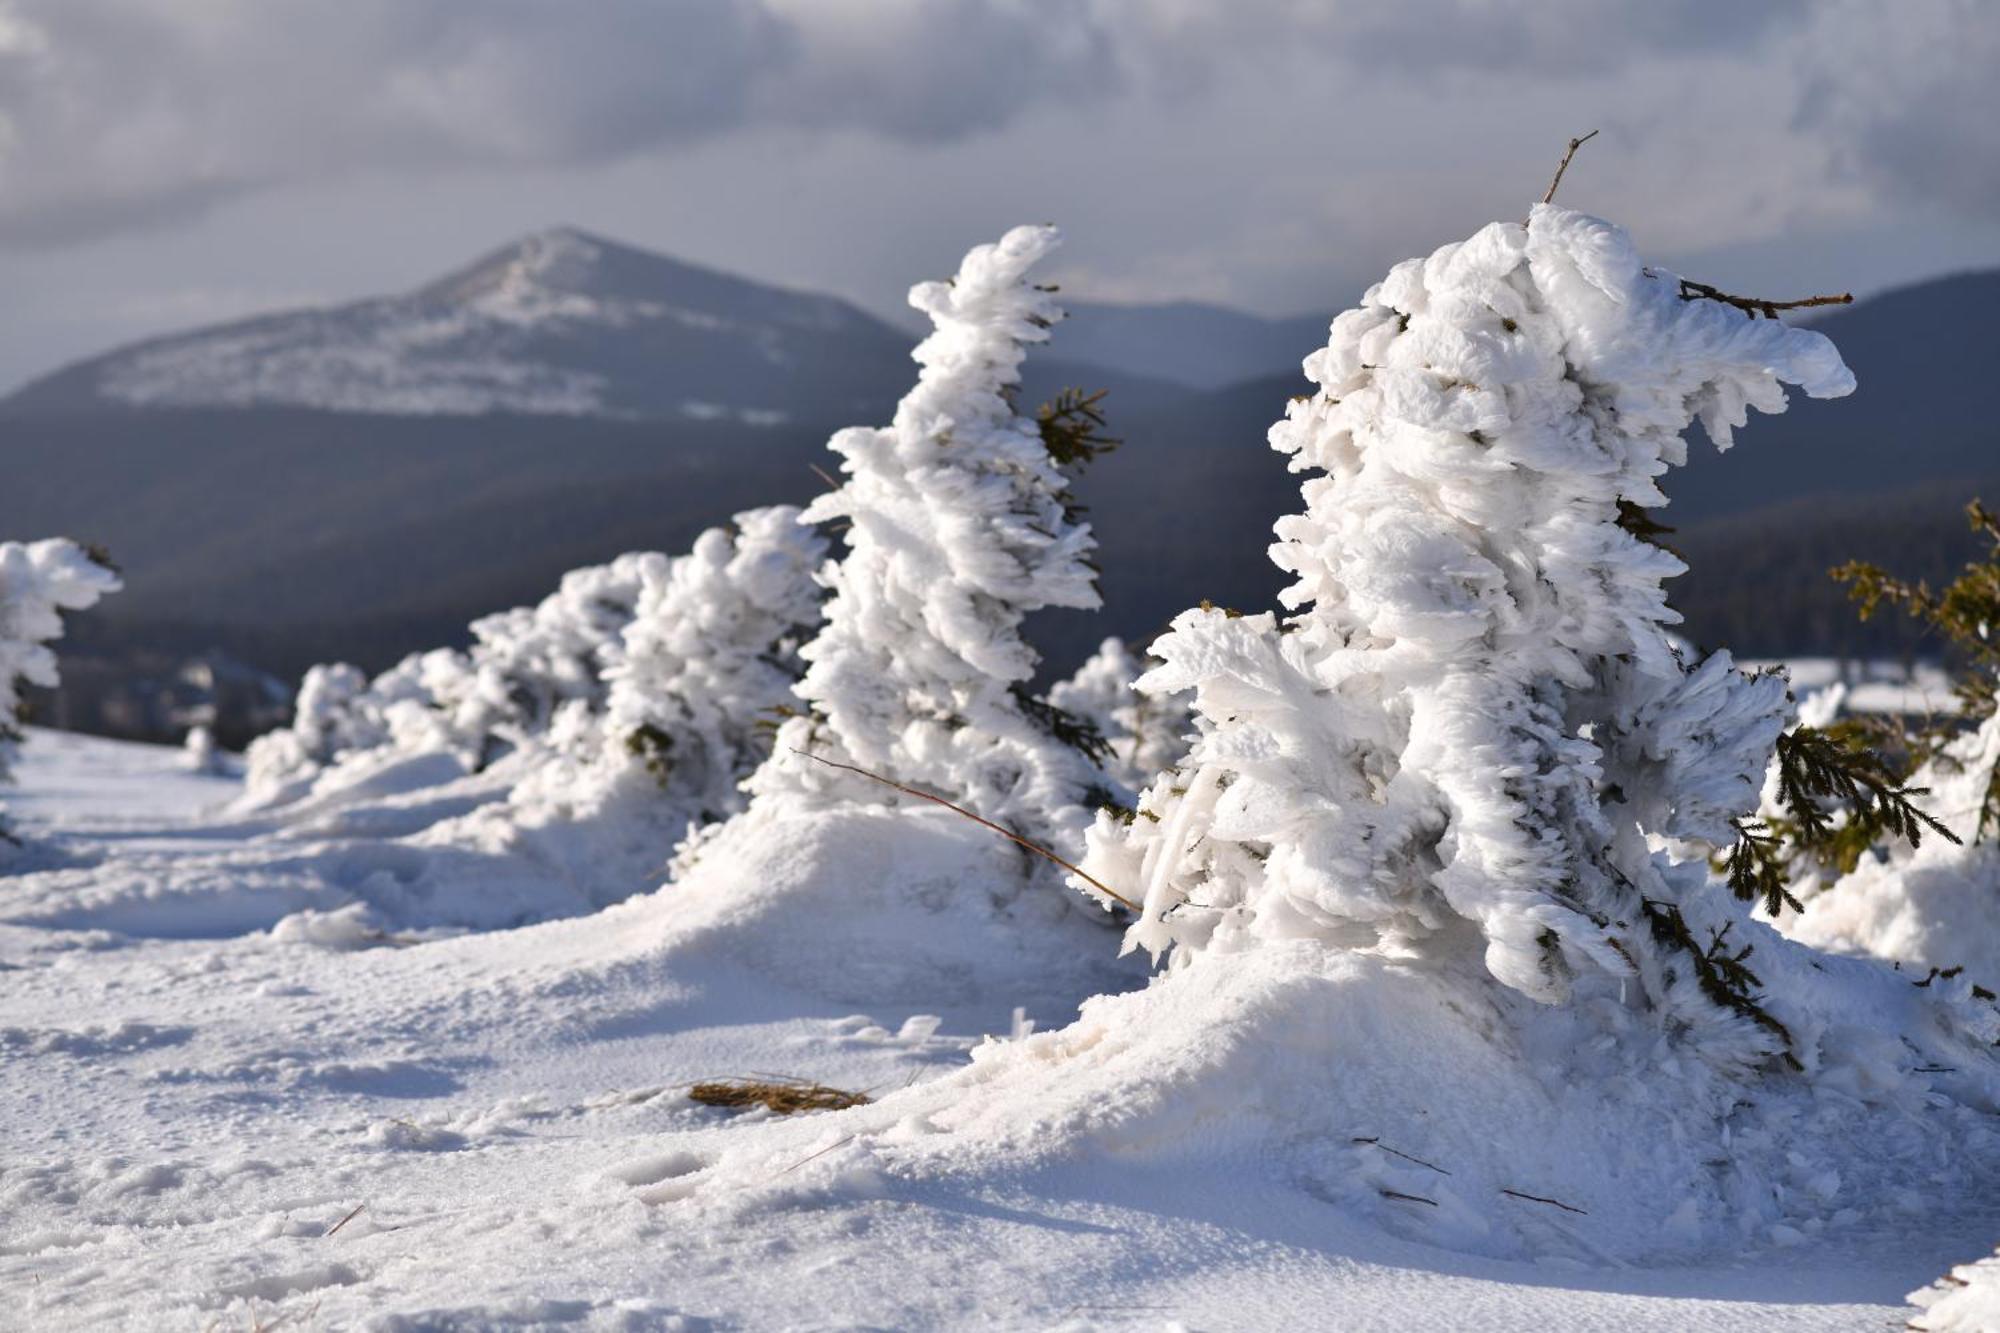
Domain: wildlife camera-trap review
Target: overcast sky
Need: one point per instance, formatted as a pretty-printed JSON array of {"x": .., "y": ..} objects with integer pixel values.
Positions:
[{"x": 165, "y": 163}]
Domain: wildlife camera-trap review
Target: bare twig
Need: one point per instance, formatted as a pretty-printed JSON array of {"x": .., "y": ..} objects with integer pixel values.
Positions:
[
  {"x": 1751, "y": 306},
  {"x": 344, "y": 1221},
  {"x": 1407, "y": 1198},
  {"x": 1568, "y": 153},
  {"x": 1377, "y": 1143},
  {"x": 821, "y": 1153},
  {"x": 1556, "y": 1203},
  {"x": 1004, "y": 832},
  {"x": 821, "y": 473}
]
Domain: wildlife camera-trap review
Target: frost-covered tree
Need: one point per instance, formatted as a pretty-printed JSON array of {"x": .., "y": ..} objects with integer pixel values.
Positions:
[
  {"x": 531, "y": 661},
  {"x": 957, "y": 524},
  {"x": 334, "y": 713},
  {"x": 1144, "y": 735},
  {"x": 38, "y": 582},
  {"x": 1471, "y": 734},
  {"x": 525, "y": 665},
  {"x": 709, "y": 657}
]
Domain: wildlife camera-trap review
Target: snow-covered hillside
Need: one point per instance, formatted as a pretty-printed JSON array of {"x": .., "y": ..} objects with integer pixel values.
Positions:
[{"x": 558, "y": 322}]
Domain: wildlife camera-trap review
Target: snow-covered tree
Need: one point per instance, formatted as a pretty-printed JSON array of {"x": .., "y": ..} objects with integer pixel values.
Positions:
[
  {"x": 958, "y": 525},
  {"x": 708, "y": 659},
  {"x": 333, "y": 714},
  {"x": 531, "y": 661},
  {"x": 525, "y": 665},
  {"x": 38, "y": 582},
  {"x": 1471, "y": 734},
  {"x": 1144, "y": 735}
]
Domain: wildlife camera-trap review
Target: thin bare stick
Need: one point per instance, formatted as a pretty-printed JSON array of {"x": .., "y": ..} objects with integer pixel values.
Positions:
[
  {"x": 1006, "y": 833},
  {"x": 821, "y": 1153},
  {"x": 1377, "y": 1143},
  {"x": 1751, "y": 306},
  {"x": 821, "y": 473},
  {"x": 1556, "y": 1203},
  {"x": 1407, "y": 1198},
  {"x": 1568, "y": 153},
  {"x": 344, "y": 1221}
]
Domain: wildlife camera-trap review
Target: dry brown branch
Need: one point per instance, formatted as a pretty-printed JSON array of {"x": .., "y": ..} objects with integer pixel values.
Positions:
[
  {"x": 821, "y": 473},
  {"x": 345, "y": 1220},
  {"x": 1556, "y": 1203},
  {"x": 782, "y": 1098},
  {"x": 1007, "y": 833},
  {"x": 1751, "y": 306},
  {"x": 1377, "y": 1143},
  {"x": 1563, "y": 166}
]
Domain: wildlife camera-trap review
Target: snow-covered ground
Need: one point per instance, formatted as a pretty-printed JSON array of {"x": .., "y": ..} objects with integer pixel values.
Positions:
[{"x": 209, "y": 1124}]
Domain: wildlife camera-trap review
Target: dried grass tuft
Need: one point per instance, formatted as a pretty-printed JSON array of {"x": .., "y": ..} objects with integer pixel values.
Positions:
[{"x": 783, "y": 1098}]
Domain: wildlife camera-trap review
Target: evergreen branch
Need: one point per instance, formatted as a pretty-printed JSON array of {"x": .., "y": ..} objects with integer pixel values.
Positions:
[
  {"x": 1072, "y": 426},
  {"x": 1004, "y": 832},
  {"x": 1079, "y": 733},
  {"x": 1819, "y": 770},
  {"x": 1723, "y": 977},
  {"x": 1563, "y": 166},
  {"x": 1752, "y": 306}
]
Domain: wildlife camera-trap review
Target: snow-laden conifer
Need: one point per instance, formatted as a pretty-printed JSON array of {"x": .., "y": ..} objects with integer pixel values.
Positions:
[
  {"x": 529, "y": 662},
  {"x": 38, "y": 582},
  {"x": 525, "y": 666},
  {"x": 957, "y": 525},
  {"x": 1144, "y": 735},
  {"x": 1471, "y": 729},
  {"x": 707, "y": 660}
]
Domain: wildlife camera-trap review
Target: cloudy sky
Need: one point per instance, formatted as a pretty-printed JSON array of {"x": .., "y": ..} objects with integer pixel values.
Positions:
[{"x": 170, "y": 162}]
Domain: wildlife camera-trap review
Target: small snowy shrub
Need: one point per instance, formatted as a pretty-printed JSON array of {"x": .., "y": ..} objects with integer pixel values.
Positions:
[
  {"x": 708, "y": 659},
  {"x": 333, "y": 714},
  {"x": 1144, "y": 735},
  {"x": 531, "y": 661},
  {"x": 524, "y": 666},
  {"x": 38, "y": 582},
  {"x": 1472, "y": 732},
  {"x": 958, "y": 524}
]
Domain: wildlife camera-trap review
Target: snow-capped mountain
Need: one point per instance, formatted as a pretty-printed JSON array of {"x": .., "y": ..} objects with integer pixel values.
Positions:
[{"x": 560, "y": 322}]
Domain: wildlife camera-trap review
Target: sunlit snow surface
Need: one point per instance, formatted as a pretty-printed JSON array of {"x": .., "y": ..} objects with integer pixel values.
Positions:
[{"x": 190, "y": 1104}]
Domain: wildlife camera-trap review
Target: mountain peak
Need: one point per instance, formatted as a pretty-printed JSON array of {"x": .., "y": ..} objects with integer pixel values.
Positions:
[{"x": 557, "y": 321}]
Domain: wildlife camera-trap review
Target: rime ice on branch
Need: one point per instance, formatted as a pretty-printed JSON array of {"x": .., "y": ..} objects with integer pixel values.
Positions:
[
  {"x": 956, "y": 529},
  {"x": 1473, "y": 712}
]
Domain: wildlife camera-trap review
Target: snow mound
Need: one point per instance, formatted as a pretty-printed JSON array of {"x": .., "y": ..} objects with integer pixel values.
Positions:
[
  {"x": 858, "y": 902},
  {"x": 1966, "y": 1300},
  {"x": 1440, "y": 1109}
]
